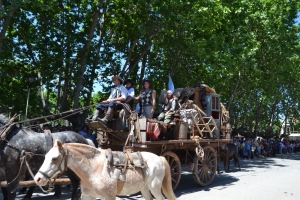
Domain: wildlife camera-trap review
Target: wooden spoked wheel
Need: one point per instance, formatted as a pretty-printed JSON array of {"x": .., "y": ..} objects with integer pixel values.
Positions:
[
  {"x": 175, "y": 167},
  {"x": 205, "y": 170}
]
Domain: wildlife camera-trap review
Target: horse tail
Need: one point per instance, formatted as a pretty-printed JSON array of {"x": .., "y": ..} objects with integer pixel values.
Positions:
[{"x": 167, "y": 181}]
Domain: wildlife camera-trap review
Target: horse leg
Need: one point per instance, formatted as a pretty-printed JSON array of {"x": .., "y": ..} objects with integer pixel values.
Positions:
[
  {"x": 236, "y": 159},
  {"x": 4, "y": 193},
  {"x": 29, "y": 193},
  {"x": 86, "y": 197},
  {"x": 156, "y": 191},
  {"x": 11, "y": 195},
  {"x": 57, "y": 189},
  {"x": 23, "y": 190},
  {"x": 75, "y": 183},
  {"x": 228, "y": 159},
  {"x": 146, "y": 193}
]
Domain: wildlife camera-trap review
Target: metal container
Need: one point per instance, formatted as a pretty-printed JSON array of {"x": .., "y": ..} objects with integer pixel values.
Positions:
[
  {"x": 183, "y": 130},
  {"x": 143, "y": 136},
  {"x": 143, "y": 124}
]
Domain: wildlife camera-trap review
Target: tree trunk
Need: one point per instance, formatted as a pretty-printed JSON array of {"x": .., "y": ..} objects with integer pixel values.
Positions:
[
  {"x": 234, "y": 92},
  {"x": 85, "y": 52},
  {"x": 14, "y": 7},
  {"x": 144, "y": 64},
  {"x": 135, "y": 62},
  {"x": 132, "y": 44},
  {"x": 45, "y": 107},
  {"x": 95, "y": 64}
]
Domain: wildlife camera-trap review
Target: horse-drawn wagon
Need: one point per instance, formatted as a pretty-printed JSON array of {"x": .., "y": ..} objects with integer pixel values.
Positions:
[{"x": 193, "y": 139}]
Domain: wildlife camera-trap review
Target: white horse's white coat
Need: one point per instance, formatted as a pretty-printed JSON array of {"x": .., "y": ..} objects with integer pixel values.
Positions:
[{"x": 99, "y": 181}]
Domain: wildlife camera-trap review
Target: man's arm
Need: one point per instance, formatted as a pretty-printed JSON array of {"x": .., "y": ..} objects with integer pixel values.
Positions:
[
  {"x": 173, "y": 105},
  {"x": 122, "y": 98},
  {"x": 153, "y": 100}
]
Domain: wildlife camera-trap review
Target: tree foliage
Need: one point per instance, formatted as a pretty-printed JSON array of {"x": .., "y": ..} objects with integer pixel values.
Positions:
[{"x": 247, "y": 50}]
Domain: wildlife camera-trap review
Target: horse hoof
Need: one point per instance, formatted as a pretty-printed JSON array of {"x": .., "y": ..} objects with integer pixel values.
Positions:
[
  {"x": 26, "y": 198},
  {"x": 55, "y": 197}
]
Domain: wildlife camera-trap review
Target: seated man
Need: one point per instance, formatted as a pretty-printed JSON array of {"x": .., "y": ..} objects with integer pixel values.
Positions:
[
  {"x": 169, "y": 107},
  {"x": 117, "y": 95}
]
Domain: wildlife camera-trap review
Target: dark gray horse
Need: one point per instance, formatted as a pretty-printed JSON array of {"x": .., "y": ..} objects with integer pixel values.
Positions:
[{"x": 20, "y": 140}]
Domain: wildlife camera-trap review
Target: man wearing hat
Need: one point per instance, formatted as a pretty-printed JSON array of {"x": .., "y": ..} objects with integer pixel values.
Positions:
[
  {"x": 129, "y": 87},
  {"x": 117, "y": 95},
  {"x": 168, "y": 108},
  {"x": 131, "y": 92}
]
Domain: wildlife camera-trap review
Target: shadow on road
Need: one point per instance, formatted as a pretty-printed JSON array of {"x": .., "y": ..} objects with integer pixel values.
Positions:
[
  {"x": 226, "y": 179},
  {"x": 187, "y": 186}
]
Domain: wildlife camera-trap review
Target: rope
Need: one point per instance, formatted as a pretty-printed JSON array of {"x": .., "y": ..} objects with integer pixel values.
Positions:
[
  {"x": 50, "y": 188},
  {"x": 73, "y": 112},
  {"x": 19, "y": 173},
  {"x": 33, "y": 126}
]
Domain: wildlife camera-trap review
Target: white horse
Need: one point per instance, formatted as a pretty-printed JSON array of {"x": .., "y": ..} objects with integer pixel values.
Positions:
[{"x": 100, "y": 181}]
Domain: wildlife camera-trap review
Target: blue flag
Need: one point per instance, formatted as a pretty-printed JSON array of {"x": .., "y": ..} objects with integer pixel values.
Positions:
[{"x": 171, "y": 84}]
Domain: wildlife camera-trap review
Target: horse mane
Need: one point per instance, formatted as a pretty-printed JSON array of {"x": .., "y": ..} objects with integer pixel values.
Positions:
[
  {"x": 3, "y": 120},
  {"x": 86, "y": 150}
]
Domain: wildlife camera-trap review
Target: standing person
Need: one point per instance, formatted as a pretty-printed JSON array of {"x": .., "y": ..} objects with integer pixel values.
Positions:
[
  {"x": 168, "y": 108},
  {"x": 92, "y": 136},
  {"x": 248, "y": 148},
  {"x": 117, "y": 95},
  {"x": 131, "y": 93},
  {"x": 147, "y": 97},
  {"x": 129, "y": 86},
  {"x": 83, "y": 131}
]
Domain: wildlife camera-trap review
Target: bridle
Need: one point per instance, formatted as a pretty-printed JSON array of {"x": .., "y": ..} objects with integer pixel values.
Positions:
[{"x": 59, "y": 170}]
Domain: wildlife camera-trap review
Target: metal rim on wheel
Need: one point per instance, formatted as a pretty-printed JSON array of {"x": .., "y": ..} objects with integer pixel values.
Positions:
[
  {"x": 175, "y": 166},
  {"x": 205, "y": 170}
]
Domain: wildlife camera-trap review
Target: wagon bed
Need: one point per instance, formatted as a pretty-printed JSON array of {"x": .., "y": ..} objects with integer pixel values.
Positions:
[{"x": 195, "y": 131}]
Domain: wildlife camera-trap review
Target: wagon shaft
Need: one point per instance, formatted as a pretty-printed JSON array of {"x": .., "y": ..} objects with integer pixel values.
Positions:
[{"x": 59, "y": 181}]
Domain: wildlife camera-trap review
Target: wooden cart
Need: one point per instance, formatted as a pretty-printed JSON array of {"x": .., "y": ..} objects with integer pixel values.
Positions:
[{"x": 207, "y": 134}]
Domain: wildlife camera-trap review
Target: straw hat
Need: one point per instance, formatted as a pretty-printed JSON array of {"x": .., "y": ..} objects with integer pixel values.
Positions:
[{"x": 117, "y": 77}]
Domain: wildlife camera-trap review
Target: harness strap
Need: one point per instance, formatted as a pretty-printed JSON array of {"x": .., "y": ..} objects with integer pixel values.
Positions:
[
  {"x": 6, "y": 131},
  {"x": 128, "y": 151},
  {"x": 125, "y": 165}
]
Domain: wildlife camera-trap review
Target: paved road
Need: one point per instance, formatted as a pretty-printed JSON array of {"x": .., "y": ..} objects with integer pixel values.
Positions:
[{"x": 263, "y": 178}]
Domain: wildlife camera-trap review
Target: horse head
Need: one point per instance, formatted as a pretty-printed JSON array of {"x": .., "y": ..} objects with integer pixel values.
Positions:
[{"x": 55, "y": 163}]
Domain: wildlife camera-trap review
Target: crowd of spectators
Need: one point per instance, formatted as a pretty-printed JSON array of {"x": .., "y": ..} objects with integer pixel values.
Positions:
[{"x": 250, "y": 148}]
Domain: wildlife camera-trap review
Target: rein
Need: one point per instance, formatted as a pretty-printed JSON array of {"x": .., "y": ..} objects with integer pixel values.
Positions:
[{"x": 57, "y": 172}]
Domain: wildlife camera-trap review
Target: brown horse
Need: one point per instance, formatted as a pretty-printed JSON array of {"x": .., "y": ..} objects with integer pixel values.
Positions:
[{"x": 229, "y": 150}]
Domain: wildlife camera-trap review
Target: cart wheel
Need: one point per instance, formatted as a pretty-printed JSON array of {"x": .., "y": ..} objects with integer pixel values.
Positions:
[
  {"x": 175, "y": 166},
  {"x": 205, "y": 170}
]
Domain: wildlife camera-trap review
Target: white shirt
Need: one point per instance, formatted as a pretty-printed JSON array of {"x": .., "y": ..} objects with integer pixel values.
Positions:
[
  {"x": 131, "y": 92},
  {"x": 119, "y": 91}
]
